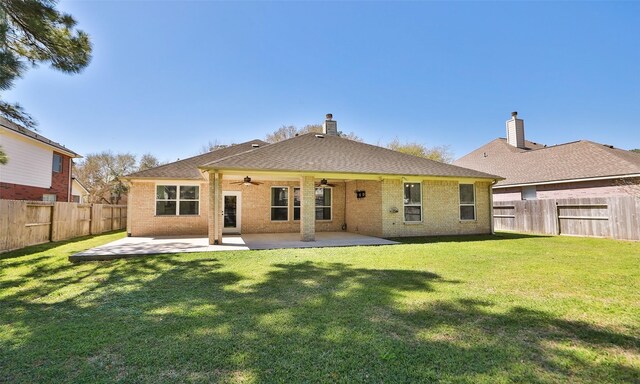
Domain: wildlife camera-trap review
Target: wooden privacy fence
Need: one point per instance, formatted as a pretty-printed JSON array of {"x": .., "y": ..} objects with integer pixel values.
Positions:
[
  {"x": 616, "y": 217},
  {"x": 24, "y": 223}
]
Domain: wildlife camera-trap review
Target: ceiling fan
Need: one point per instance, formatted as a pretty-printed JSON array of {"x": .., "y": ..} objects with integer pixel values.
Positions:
[
  {"x": 324, "y": 183},
  {"x": 246, "y": 181}
]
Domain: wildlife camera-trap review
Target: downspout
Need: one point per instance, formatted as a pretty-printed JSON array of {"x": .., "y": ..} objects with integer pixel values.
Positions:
[
  {"x": 492, "y": 225},
  {"x": 69, "y": 184}
]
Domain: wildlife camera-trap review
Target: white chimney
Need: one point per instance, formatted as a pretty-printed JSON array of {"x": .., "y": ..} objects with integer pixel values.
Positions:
[
  {"x": 515, "y": 131},
  {"x": 330, "y": 127}
]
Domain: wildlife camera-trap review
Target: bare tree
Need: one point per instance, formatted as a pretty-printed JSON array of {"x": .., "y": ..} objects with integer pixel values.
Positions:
[
  {"x": 212, "y": 145},
  {"x": 101, "y": 173},
  {"x": 148, "y": 161},
  {"x": 289, "y": 131}
]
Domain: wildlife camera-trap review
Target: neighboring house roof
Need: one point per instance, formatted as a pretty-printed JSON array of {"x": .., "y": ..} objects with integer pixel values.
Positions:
[
  {"x": 4, "y": 123},
  {"x": 541, "y": 164},
  {"x": 313, "y": 152},
  {"x": 188, "y": 168}
]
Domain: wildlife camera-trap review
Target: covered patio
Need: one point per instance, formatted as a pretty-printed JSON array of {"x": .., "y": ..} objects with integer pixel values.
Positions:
[{"x": 140, "y": 246}]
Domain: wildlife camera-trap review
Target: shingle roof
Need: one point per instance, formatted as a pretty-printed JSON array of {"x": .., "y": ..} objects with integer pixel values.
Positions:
[
  {"x": 36, "y": 136},
  {"x": 188, "y": 168},
  {"x": 570, "y": 161},
  {"x": 332, "y": 154}
]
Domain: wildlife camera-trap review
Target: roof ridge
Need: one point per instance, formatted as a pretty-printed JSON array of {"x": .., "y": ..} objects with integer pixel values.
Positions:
[
  {"x": 193, "y": 157},
  {"x": 17, "y": 128},
  {"x": 259, "y": 148},
  {"x": 619, "y": 153}
]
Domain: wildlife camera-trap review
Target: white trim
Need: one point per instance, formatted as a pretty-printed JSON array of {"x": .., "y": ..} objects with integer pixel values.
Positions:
[
  {"x": 177, "y": 200},
  {"x": 460, "y": 204},
  {"x": 32, "y": 140},
  {"x": 634, "y": 175},
  {"x": 404, "y": 217},
  {"x": 238, "y": 227},
  {"x": 271, "y": 206}
]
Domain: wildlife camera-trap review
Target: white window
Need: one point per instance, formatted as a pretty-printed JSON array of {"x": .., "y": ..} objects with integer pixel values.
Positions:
[
  {"x": 529, "y": 193},
  {"x": 467, "y": 202},
  {"x": 49, "y": 197},
  {"x": 323, "y": 203},
  {"x": 57, "y": 163},
  {"x": 296, "y": 203},
  {"x": 180, "y": 200},
  {"x": 279, "y": 203},
  {"x": 412, "y": 202}
]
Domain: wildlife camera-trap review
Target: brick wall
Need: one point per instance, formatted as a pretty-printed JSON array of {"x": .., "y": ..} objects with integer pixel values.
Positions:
[
  {"x": 594, "y": 188},
  {"x": 364, "y": 215},
  {"x": 142, "y": 211},
  {"x": 440, "y": 210},
  {"x": 370, "y": 215},
  {"x": 59, "y": 186},
  {"x": 256, "y": 208}
]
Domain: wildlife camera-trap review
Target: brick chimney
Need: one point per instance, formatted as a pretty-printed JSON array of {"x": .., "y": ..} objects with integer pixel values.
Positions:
[
  {"x": 515, "y": 131},
  {"x": 330, "y": 126}
]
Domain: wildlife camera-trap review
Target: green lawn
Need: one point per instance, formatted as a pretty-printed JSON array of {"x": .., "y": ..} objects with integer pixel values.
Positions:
[{"x": 481, "y": 309}]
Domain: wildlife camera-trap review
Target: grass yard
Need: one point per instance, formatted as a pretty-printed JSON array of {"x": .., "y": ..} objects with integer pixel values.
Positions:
[{"x": 483, "y": 309}]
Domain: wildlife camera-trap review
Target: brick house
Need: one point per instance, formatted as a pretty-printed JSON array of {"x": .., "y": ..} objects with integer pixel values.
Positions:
[
  {"x": 38, "y": 168},
  {"x": 307, "y": 184},
  {"x": 535, "y": 171}
]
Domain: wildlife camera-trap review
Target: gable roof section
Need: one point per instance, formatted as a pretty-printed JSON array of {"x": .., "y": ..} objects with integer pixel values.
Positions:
[
  {"x": 188, "y": 168},
  {"x": 4, "y": 123},
  {"x": 571, "y": 161},
  {"x": 323, "y": 153}
]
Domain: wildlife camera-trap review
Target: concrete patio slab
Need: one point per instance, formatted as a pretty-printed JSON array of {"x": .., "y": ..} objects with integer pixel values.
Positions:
[{"x": 139, "y": 246}]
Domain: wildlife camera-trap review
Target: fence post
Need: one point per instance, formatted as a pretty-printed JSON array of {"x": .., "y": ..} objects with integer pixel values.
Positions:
[
  {"x": 557, "y": 212},
  {"x": 52, "y": 220}
]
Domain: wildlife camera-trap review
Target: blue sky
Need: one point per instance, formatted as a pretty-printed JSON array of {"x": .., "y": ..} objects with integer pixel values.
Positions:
[{"x": 167, "y": 77}]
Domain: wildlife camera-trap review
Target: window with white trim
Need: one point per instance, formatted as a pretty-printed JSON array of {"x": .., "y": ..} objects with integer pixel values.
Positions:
[
  {"x": 467, "y": 202},
  {"x": 323, "y": 203},
  {"x": 49, "y": 197},
  {"x": 279, "y": 203},
  {"x": 177, "y": 200},
  {"x": 296, "y": 203},
  {"x": 412, "y": 202},
  {"x": 57, "y": 163}
]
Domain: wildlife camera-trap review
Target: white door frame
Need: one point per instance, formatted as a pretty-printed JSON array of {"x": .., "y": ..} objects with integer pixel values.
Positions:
[{"x": 238, "y": 226}]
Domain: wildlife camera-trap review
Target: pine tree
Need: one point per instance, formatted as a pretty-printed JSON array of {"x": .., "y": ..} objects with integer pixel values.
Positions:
[{"x": 33, "y": 32}]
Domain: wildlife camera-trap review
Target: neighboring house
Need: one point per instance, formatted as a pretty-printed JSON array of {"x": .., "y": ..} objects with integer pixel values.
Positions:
[
  {"x": 535, "y": 171},
  {"x": 312, "y": 182},
  {"x": 38, "y": 168},
  {"x": 79, "y": 194}
]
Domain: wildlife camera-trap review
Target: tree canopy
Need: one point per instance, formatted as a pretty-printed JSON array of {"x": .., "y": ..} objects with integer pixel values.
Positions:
[
  {"x": 441, "y": 153},
  {"x": 33, "y": 32},
  {"x": 102, "y": 173},
  {"x": 289, "y": 131},
  {"x": 3, "y": 157}
]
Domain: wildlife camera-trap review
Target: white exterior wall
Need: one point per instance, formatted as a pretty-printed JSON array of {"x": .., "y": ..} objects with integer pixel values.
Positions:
[{"x": 29, "y": 163}]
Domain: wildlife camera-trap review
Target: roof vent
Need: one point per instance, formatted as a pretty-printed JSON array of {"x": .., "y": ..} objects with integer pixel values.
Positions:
[
  {"x": 319, "y": 136},
  {"x": 255, "y": 145}
]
